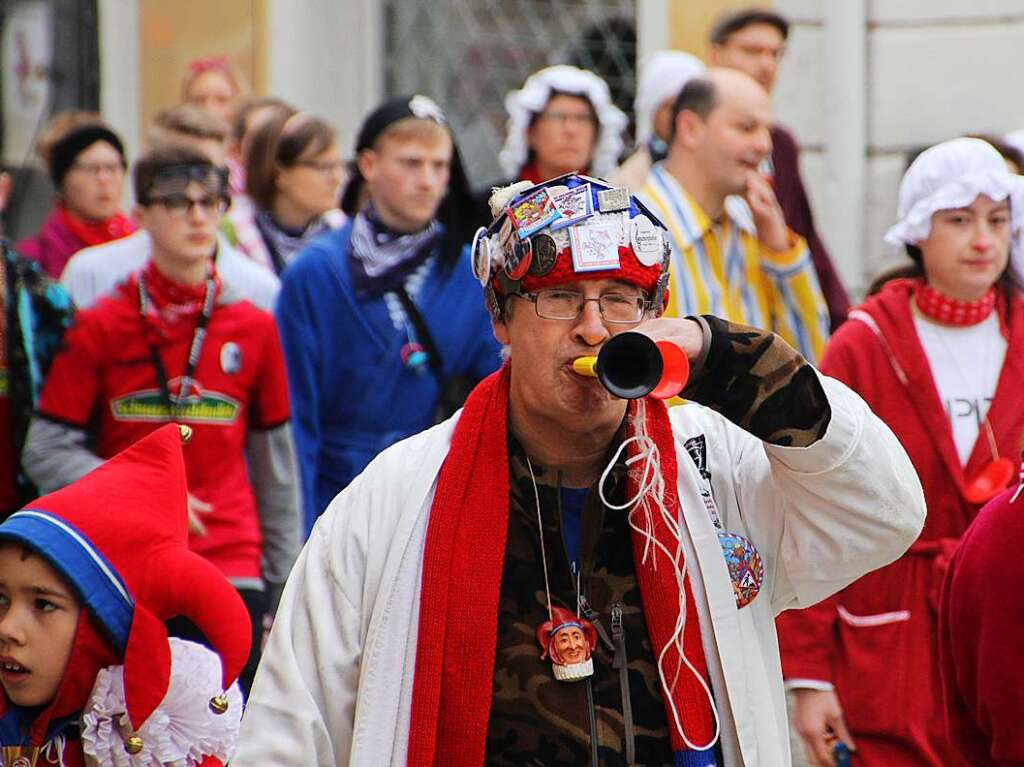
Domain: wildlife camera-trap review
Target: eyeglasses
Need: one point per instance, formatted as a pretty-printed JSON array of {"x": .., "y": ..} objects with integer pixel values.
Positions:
[
  {"x": 563, "y": 118},
  {"x": 96, "y": 168},
  {"x": 559, "y": 304},
  {"x": 326, "y": 167},
  {"x": 180, "y": 205}
]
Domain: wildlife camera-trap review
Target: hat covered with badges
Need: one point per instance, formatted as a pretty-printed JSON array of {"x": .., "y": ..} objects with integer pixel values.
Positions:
[
  {"x": 567, "y": 229},
  {"x": 118, "y": 536}
]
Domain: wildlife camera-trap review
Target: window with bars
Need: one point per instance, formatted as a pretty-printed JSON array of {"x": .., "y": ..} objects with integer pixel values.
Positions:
[{"x": 467, "y": 54}]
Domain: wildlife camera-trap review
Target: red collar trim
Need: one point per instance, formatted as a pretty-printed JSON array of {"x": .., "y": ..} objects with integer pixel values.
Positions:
[{"x": 951, "y": 311}]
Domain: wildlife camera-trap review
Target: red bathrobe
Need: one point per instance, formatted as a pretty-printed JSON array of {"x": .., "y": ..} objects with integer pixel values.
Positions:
[
  {"x": 876, "y": 639},
  {"x": 980, "y": 637}
]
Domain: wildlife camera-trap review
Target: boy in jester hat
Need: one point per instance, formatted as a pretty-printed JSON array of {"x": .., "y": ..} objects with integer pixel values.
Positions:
[{"x": 88, "y": 575}]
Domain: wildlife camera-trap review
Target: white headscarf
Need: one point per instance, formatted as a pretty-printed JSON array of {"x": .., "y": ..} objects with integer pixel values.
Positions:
[
  {"x": 952, "y": 175},
  {"x": 661, "y": 78},
  {"x": 531, "y": 99}
]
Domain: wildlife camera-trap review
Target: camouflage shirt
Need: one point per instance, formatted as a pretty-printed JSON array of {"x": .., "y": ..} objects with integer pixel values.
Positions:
[
  {"x": 536, "y": 720},
  {"x": 758, "y": 382}
]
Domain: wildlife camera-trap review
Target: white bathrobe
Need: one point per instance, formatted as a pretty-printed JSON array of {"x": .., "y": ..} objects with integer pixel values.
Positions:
[{"x": 336, "y": 680}]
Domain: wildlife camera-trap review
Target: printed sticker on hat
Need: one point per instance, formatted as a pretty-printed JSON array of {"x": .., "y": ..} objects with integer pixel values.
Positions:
[
  {"x": 611, "y": 200},
  {"x": 595, "y": 245},
  {"x": 573, "y": 205},
  {"x": 646, "y": 240},
  {"x": 533, "y": 213}
]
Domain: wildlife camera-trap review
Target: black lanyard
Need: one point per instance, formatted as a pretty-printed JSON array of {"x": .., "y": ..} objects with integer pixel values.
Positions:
[{"x": 195, "y": 349}]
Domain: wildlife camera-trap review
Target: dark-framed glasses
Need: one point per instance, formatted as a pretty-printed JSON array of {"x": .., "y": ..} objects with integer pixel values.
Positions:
[
  {"x": 562, "y": 304},
  {"x": 180, "y": 205}
]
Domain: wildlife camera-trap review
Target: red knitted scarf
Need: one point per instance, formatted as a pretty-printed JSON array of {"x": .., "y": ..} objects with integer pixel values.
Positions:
[
  {"x": 461, "y": 581},
  {"x": 97, "y": 232}
]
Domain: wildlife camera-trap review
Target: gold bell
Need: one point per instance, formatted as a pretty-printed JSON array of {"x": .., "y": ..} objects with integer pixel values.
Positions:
[
  {"x": 185, "y": 432},
  {"x": 219, "y": 704},
  {"x": 133, "y": 744}
]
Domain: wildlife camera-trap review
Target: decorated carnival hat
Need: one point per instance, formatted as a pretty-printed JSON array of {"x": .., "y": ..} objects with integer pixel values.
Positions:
[
  {"x": 531, "y": 99},
  {"x": 952, "y": 175},
  {"x": 118, "y": 536},
  {"x": 570, "y": 228}
]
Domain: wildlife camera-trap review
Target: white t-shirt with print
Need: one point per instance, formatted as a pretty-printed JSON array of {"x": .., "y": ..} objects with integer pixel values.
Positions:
[{"x": 965, "y": 363}]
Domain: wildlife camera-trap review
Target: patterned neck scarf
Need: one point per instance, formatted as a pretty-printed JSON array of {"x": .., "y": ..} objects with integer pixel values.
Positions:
[
  {"x": 381, "y": 258},
  {"x": 284, "y": 243}
]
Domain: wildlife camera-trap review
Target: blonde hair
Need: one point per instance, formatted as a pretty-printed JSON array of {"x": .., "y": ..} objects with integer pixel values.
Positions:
[{"x": 413, "y": 129}]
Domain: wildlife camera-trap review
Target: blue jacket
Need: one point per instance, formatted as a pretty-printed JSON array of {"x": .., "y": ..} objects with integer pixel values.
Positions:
[{"x": 351, "y": 394}]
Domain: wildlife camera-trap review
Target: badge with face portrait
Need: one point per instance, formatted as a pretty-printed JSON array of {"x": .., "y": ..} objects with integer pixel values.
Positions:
[
  {"x": 569, "y": 641},
  {"x": 518, "y": 259}
]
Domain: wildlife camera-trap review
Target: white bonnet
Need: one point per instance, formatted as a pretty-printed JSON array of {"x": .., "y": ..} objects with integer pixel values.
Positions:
[
  {"x": 522, "y": 104},
  {"x": 661, "y": 78},
  {"x": 951, "y": 175}
]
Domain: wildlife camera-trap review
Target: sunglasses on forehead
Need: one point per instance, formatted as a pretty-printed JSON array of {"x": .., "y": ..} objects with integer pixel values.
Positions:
[{"x": 172, "y": 182}]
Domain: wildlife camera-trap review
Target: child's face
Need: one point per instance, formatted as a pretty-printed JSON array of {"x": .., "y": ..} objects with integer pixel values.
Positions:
[{"x": 38, "y": 622}]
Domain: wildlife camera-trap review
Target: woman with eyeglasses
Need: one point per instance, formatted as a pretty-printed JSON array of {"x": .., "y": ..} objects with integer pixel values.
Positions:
[
  {"x": 561, "y": 121},
  {"x": 87, "y": 165},
  {"x": 294, "y": 174},
  {"x": 936, "y": 351}
]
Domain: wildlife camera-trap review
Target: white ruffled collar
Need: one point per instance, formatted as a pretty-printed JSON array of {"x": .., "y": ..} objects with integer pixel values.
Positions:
[{"x": 182, "y": 731}]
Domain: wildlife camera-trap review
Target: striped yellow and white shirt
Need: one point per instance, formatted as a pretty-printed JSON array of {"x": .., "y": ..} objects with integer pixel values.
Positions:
[{"x": 721, "y": 268}]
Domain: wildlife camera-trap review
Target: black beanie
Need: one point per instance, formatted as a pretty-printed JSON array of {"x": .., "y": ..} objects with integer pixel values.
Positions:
[{"x": 76, "y": 141}]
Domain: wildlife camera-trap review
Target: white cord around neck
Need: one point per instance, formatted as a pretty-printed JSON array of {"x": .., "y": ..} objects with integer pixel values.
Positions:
[
  {"x": 58, "y": 744},
  {"x": 651, "y": 488},
  {"x": 540, "y": 532}
]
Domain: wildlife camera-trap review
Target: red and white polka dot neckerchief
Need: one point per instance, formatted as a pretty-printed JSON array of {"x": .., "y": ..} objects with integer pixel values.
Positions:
[{"x": 951, "y": 311}]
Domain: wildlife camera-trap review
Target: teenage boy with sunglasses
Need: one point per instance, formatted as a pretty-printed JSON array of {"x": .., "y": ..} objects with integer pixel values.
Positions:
[{"x": 174, "y": 343}]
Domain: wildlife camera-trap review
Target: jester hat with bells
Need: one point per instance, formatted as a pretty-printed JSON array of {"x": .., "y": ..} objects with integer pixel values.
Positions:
[{"x": 118, "y": 536}]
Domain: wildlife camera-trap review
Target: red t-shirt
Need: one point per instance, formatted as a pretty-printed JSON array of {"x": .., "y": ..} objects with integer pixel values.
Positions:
[{"x": 104, "y": 379}]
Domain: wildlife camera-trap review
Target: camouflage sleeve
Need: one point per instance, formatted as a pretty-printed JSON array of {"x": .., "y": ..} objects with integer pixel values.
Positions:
[{"x": 760, "y": 383}]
